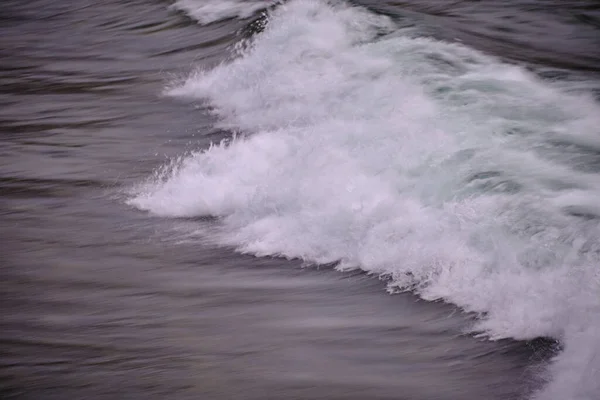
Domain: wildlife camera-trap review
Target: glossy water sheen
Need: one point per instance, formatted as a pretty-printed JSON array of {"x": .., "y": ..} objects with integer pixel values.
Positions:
[{"x": 103, "y": 301}]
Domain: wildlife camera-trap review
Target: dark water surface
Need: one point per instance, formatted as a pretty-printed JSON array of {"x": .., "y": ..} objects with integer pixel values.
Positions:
[{"x": 103, "y": 301}]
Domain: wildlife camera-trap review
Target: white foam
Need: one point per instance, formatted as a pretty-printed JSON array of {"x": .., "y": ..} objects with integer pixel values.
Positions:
[
  {"x": 575, "y": 371},
  {"x": 423, "y": 161},
  {"x": 208, "y": 11}
]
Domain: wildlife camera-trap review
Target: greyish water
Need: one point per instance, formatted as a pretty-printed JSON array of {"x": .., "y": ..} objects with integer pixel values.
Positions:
[{"x": 197, "y": 199}]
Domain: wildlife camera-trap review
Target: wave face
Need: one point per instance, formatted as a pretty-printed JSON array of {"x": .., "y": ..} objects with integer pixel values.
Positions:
[
  {"x": 209, "y": 11},
  {"x": 454, "y": 175}
]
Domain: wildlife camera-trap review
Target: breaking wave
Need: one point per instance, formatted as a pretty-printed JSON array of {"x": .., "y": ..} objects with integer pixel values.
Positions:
[{"x": 454, "y": 175}]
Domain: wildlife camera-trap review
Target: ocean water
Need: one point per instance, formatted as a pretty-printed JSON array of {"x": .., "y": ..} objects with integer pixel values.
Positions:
[{"x": 306, "y": 199}]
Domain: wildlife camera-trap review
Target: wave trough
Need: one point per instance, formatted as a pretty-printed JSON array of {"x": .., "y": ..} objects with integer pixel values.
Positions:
[{"x": 451, "y": 173}]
